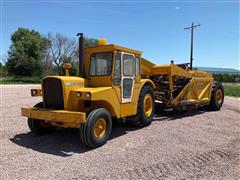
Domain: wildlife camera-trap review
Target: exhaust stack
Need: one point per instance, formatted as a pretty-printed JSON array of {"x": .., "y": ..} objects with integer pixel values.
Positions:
[{"x": 81, "y": 62}]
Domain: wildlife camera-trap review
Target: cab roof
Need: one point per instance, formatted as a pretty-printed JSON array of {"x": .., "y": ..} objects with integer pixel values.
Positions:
[{"x": 114, "y": 47}]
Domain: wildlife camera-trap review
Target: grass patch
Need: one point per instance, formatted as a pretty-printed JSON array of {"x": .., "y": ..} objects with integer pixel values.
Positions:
[
  {"x": 232, "y": 89},
  {"x": 19, "y": 80}
]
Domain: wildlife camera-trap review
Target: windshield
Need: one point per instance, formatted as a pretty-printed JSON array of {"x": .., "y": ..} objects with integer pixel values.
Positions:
[{"x": 101, "y": 64}]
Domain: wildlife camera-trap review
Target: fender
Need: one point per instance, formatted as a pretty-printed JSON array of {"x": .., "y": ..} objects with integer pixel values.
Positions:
[{"x": 147, "y": 81}]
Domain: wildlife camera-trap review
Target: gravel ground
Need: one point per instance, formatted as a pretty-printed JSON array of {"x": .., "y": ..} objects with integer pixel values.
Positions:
[{"x": 193, "y": 145}]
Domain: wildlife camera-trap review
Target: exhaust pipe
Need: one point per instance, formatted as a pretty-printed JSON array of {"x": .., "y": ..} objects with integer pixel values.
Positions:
[{"x": 81, "y": 62}]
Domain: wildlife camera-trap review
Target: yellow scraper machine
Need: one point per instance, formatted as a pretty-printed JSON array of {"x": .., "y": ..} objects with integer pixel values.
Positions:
[{"x": 115, "y": 83}]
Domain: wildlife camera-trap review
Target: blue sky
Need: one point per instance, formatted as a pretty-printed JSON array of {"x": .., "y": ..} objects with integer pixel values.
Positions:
[{"x": 153, "y": 27}]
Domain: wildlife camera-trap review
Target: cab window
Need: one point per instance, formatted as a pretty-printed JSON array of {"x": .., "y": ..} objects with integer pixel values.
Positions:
[
  {"x": 101, "y": 64},
  {"x": 128, "y": 65},
  {"x": 117, "y": 69}
]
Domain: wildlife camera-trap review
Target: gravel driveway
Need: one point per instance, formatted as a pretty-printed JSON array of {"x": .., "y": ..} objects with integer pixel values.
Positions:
[{"x": 200, "y": 145}]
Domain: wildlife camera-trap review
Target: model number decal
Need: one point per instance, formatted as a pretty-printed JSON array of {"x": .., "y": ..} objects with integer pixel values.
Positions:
[{"x": 73, "y": 84}]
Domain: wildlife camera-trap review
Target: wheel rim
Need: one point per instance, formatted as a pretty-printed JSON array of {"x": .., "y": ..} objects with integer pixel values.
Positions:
[
  {"x": 100, "y": 128},
  {"x": 148, "y": 105},
  {"x": 219, "y": 96}
]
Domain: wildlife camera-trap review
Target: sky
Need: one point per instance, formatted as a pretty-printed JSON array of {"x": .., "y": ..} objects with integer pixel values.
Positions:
[{"x": 154, "y": 27}]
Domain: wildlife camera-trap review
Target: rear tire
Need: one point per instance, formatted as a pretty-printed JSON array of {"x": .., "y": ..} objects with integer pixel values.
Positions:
[
  {"x": 97, "y": 129},
  {"x": 145, "y": 109},
  {"x": 217, "y": 97},
  {"x": 40, "y": 127}
]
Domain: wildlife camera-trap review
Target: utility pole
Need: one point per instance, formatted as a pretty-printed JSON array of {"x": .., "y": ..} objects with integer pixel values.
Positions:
[{"x": 191, "y": 50}]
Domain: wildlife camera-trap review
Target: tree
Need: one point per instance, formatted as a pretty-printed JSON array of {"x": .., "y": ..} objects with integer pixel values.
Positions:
[
  {"x": 90, "y": 42},
  {"x": 61, "y": 49},
  {"x": 227, "y": 77},
  {"x": 65, "y": 50},
  {"x": 24, "y": 57},
  {"x": 3, "y": 71}
]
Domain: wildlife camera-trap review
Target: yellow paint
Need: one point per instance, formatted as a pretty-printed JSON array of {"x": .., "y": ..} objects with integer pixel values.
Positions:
[
  {"x": 100, "y": 127},
  {"x": 146, "y": 68},
  {"x": 171, "y": 70},
  {"x": 60, "y": 117},
  {"x": 100, "y": 97},
  {"x": 198, "y": 91},
  {"x": 81, "y": 95},
  {"x": 103, "y": 93},
  {"x": 219, "y": 96},
  {"x": 130, "y": 109},
  {"x": 69, "y": 83},
  {"x": 148, "y": 105}
]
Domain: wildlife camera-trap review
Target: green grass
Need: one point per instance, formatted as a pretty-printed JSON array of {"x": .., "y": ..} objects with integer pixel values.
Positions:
[
  {"x": 19, "y": 80},
  {"x": 232, "y": 89}
]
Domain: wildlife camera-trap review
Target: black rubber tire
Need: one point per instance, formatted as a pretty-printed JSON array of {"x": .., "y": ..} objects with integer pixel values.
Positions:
[
  {"x": 140, "y": 119},
  {"x": 86, "y": 132},
  {"x": 214, "y": 105},
  {"x": 38, "y": 127}
]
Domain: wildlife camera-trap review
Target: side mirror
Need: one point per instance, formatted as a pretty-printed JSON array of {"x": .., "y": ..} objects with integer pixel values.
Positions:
[{"x": 67, "y": 67}]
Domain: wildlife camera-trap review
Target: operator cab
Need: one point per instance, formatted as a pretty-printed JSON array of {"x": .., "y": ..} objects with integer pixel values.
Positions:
[{"x": 112, "y": 65}]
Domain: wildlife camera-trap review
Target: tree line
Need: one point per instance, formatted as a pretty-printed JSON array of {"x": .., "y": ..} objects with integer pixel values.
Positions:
[
  {"x": 227, "y": 77},
  {"x": 33, "y": 54}
]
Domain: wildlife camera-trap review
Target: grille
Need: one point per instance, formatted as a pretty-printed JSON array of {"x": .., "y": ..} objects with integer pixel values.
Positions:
[{"x": 53, "y": 93}]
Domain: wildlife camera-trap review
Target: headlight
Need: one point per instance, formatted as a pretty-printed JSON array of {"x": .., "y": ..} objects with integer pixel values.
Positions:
[
  {"x": 78, "y": 94},
  {"x": 88, "y": 95},
  {"x": 36, "y": 92}
]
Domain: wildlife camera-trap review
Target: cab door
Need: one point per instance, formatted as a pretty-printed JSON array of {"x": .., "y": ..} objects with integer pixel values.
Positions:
[{"x": 128, "y": 66}]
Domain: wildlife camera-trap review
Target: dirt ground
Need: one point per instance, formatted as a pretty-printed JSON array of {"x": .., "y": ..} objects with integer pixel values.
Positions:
[{"x": 193, "y": 145}]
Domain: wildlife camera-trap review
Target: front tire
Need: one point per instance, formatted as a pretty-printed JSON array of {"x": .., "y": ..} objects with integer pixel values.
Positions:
[
  {"x": 97, "y": 129},
  {"x": 40, "y": 127}
]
